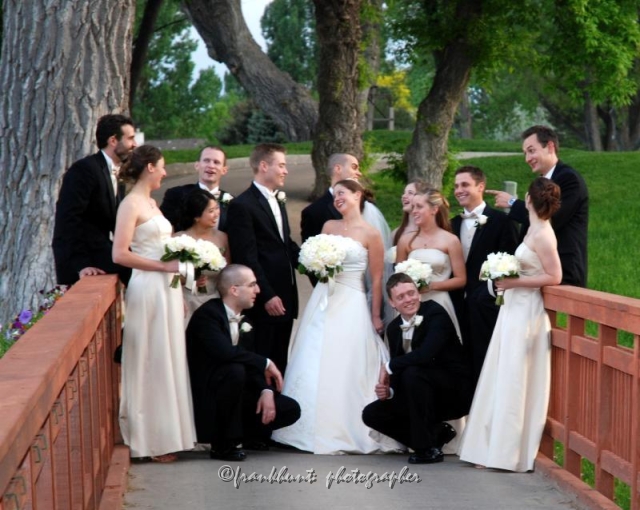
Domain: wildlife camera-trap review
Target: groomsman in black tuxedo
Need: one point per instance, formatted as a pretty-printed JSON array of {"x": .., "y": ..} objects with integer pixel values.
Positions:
[
  {"x": 482, "y": 230},
  {"x": 540, "y": 146},
  {"x": 211, "y": 167},
  {"x": 86, "y": 209},
  {"x": 235, "y": 392},
  {"x": 260, "y": 238},
  {"x": 426, "y": 382}
]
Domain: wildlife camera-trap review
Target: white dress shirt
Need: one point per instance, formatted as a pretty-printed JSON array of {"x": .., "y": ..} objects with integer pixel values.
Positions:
[{"x": 273, "y": 203}]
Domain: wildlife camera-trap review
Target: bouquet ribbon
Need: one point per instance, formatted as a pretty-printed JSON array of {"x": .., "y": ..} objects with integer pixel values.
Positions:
[
  {"x": 324, "y": 300},
  {"x": 188, "y": 271}
]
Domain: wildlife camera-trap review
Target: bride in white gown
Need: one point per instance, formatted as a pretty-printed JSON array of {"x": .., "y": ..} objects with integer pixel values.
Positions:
[
  {"x": 335, "y": 358},
  {"x": 436, "y": 245}
]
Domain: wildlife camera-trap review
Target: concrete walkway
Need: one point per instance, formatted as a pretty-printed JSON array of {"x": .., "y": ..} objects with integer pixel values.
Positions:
[{"x": 198, "y": 483}]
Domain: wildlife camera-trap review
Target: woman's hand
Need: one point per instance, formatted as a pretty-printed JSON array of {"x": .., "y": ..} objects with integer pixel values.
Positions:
[
  {"x": 378, "y": 325},
  {"x": 503, "y": 284}
]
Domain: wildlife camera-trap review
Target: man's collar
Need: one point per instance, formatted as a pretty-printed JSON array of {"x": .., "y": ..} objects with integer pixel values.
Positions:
[
  {"x": 206, "y": 188},
  {"x": 549, "y": 174},
  {"x": 263, "y": 189},
  {"x": 110, "y": 163},
  {"x": 478, "y": 210}
]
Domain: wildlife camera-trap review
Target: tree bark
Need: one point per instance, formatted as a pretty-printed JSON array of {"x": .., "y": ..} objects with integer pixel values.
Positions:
[
  {"x": 426, "y": 155},
  {"x": 339, "y": 126},
  {"x": 221, "y": 25},
  {"x": 371, "y": 21},
  {"x": 592, "y": 124},
  {"x": 63, "y": 65},
  {"x": 141, "y": 45}
]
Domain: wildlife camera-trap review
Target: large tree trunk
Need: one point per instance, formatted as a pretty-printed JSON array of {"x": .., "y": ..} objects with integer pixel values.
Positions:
[
  {"x": 592, "y": 124},
  {"x": 371, "y": 21},
  {"x": 141, "y": 45},
  {"x": 63, "y": 65},
  {"x": 426, "y": 155},
  {"x": 339, "y": 127},
  {"x": 222, "y": 27}
]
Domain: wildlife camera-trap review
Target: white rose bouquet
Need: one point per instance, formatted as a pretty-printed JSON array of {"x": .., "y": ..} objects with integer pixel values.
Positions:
[
  {"x": 322, "y": 256},
  {"x": 497, "y": 266},
  {"x": 420, "y": 272},
  {"x": 183, "y": 248},
  {"x": 209, "y": 259}
]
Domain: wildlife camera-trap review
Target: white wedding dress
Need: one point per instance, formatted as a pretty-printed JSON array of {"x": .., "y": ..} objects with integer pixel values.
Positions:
[
  {"x": 156, "y": 414},
  {"x": 509, "y": 407},
  {"x": 334, "y": 363},
  {"x": 441, "y": 266}
]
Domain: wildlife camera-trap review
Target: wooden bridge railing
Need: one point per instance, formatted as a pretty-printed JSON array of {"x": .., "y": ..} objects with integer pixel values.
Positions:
[
  {"x": 594, "y": 411},
  {"x": 59, "y": 403}
]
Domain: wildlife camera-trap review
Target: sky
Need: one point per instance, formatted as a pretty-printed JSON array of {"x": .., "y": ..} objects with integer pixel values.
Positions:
[{"x": 253, "y": 11}]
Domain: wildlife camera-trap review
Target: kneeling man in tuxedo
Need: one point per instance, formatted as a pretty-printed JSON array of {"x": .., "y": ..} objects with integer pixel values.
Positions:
[
  {"x": 427, "y": 380},
  {"x": 236, "y": 392}
]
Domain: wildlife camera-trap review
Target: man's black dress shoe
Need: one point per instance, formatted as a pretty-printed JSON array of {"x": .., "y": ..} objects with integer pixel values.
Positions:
[
  {"x": 447, "y": 433},
  {"x": 234, "y": 455},
  {"x": 428, "y": 456},
  {"x": 259, "y": 446}
]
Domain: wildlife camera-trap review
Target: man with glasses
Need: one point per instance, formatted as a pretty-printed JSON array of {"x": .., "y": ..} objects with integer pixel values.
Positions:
[{"x": 236, "y": 392}]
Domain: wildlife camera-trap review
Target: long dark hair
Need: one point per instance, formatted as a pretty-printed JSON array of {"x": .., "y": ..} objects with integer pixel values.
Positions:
[
  {"x": 131, "y": 169},
  {"x": 194, "y": 206}
]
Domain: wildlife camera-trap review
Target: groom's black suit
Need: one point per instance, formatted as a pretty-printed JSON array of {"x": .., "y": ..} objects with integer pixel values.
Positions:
[
  {"x": 475, "y": 305},
  {"x": 173, "y": 203},
  {"x": 431, "y": 383},
  {"x": 226, "y": 382},
  {"x": 570, "y": 223},
  {"x": 85, "y": 219},
  {"x": 254, "y": 240}
]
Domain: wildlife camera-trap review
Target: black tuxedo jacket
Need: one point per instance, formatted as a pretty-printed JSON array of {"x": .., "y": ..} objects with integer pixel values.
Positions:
[
  {"x": 499, "y": 233},
  {"x": 85, "y": 219},
  {"x": 316, "y": 214},
  {"x": 254, "y": 240},
  {"x": 434, "y": 345},
  {"x": 173, "y": 201},
  {"x": 570, "y": 223},
  {"x": 209, "y": 347}
]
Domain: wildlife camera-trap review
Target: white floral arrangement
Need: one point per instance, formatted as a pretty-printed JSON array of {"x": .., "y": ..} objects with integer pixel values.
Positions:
[
  {"x": 418, "y": 320},
  {"x": 199, "y": 255},
  {"x": 245, "y": 327},
  {"x": 420, "y": 272},
  {"x": 481, "y": 220},
  {"x": 281, "y": 197},
  {"x": 210, "y": 259},
  {"x": 224, "y": 199},
  {"x": 497, "y": 266},
  {"x": 322, "y": 256}
]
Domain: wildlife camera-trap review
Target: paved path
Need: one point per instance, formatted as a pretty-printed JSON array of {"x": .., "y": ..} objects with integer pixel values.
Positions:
[{"x": 196, "y": 482}]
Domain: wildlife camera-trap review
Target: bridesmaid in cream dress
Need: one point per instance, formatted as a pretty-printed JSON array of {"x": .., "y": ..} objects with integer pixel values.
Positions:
[
  {"x": 156, "y": 414},
  {"x": 509, "y": 407},
  {"x": 436, "y": 245},
  {"x": 201, "y": 211}
]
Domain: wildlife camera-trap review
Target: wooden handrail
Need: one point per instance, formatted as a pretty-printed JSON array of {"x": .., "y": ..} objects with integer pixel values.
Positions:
[
  {"x": 58, "y": 412},
  {"x": 594, "y": 410}
]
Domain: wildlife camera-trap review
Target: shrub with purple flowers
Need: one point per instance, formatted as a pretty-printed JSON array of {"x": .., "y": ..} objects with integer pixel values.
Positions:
[{"x": 27, "y": 318}]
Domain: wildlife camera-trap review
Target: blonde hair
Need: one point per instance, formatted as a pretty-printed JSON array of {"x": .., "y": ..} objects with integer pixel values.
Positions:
[{"x": 435, "y": 198}]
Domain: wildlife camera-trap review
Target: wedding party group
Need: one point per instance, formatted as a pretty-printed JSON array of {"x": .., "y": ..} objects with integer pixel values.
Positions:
[{"x": 431, "y": 339}]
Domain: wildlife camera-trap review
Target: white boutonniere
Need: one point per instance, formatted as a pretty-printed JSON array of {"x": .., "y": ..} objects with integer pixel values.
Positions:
[
  {"x": 481, "y": 221},
  {"x": 226, "y": 198},
  {"x": 245, "y": 327},
  {"x": 418, "y": 320},
  {"x": 281, "y": 197}
]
